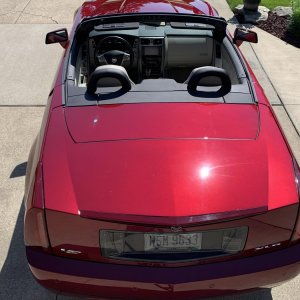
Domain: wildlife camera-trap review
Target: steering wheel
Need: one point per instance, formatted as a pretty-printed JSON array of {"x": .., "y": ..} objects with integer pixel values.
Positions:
[{"x": 114, "y": 56}]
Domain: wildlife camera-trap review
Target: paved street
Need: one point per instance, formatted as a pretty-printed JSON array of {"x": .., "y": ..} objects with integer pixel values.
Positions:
[{"x": 27, "y": 69}]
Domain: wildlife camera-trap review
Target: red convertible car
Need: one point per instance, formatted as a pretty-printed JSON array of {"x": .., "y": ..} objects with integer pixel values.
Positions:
[{"x": 160, "y": 170}]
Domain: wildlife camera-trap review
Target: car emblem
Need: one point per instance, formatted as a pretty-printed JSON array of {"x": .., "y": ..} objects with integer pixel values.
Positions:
[
  {"x": 114, "y": 60},
  {"x": 70, "y": 251},
  {"x": 267, "y": 246},
  {"x": 176, "y": 228}
]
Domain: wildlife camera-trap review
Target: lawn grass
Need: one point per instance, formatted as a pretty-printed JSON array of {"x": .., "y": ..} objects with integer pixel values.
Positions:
[{"x": 268, "y": 3}]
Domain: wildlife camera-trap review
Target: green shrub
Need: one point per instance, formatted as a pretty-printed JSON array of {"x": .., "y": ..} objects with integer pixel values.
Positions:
[
  {"x": 268, "y": 3},
  {"x": 295, "y": 4},
  {"x": 295, "y": 23}
]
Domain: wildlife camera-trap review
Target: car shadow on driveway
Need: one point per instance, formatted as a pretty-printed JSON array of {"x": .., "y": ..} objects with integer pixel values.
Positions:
[
  {"x": 16, "y": 281},
  {"x": 262, "y": 294},
  {"x": 19, "y": 170}
]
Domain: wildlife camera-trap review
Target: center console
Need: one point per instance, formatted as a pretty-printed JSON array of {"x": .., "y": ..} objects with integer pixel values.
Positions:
[{"x": 152, "y": 50}]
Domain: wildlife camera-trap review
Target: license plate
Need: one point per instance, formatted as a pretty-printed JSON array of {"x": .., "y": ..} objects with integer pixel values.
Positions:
[{"x": 173, "y": 242}]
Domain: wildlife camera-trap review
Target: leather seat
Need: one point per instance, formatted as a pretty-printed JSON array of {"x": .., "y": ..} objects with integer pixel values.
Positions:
[{"x": 110, "y": 81}]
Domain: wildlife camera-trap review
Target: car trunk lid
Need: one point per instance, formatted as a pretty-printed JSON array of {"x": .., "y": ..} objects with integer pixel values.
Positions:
[
  {"x": 162, "y": 121},
  {"x": 154, "y": 184}
]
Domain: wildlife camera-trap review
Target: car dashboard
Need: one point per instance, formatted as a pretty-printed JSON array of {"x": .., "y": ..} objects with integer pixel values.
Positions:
[{"x": 154, "y": 50}]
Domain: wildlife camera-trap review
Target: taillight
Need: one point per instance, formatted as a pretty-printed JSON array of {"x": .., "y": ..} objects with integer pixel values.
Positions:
[
  {"x": 296, "y": 234},
  {"x": 35, "y": 231}
]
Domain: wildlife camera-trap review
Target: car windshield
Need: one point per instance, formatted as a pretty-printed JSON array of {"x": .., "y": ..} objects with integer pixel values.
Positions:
[{"x": 157, "y": 59}]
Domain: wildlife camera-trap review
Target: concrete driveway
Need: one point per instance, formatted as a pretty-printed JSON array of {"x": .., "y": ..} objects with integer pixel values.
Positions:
[{"x": 27, "y": 69}]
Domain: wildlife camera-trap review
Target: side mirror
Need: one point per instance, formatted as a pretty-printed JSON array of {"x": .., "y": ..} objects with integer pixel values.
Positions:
[
  {"x": 243, "y": 34},
  {"x": 58, "y": 36}
]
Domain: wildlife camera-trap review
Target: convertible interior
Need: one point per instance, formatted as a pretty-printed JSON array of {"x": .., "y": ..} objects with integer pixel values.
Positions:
[{"x": 155, "y": 56}]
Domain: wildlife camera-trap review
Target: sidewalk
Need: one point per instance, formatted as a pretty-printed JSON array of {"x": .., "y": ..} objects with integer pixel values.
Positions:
[{"x": 277, "y": 68}]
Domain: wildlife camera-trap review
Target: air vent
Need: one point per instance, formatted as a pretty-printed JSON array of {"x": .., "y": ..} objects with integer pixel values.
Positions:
[
  {"x": 145, "y": 42},
  {"x": 157, "y": 42}
]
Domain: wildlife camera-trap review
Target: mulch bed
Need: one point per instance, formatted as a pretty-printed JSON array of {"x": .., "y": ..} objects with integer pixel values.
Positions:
[{"x": 278, "y": 26}]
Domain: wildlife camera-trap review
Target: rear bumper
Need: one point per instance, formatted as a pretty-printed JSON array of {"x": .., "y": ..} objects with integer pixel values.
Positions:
[{"x": 135, "y": 282}]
